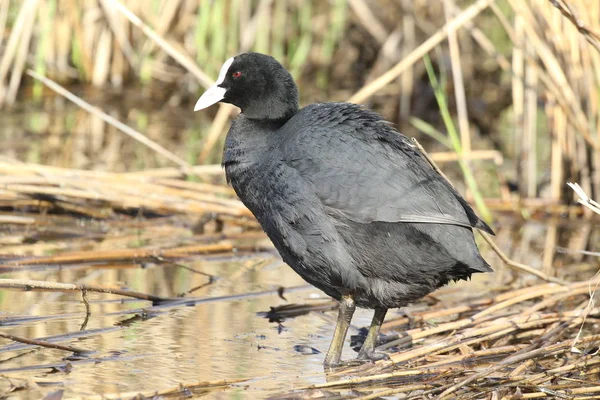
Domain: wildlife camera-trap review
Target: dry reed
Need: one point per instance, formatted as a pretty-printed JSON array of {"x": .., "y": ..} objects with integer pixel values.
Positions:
[{"x": 512, "y": 349}]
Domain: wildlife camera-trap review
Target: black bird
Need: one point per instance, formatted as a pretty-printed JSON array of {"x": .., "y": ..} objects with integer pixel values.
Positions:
[{"x": 349, "y": 202}]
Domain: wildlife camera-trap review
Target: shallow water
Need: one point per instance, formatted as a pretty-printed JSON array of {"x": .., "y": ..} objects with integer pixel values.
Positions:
[{"x": 212, "y": 341}]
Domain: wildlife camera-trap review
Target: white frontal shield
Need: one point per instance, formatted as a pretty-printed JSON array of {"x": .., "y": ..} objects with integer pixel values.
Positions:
[{"x": 215, "y": 93}]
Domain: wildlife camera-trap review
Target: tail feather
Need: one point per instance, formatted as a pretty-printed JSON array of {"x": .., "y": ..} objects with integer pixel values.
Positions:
[{"x": 480, "y": 224}]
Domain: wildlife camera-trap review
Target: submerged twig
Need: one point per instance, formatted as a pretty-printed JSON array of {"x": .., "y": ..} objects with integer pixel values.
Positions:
[
  {"x": 163, "y": 260},
  {"x": 43, "y": 343},
  {"x": 181, "y": 390},
  {"x": 88, "y": 312}
]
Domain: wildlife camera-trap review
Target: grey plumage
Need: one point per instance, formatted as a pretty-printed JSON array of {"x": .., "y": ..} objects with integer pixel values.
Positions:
[{"x": 329, "y": 188}]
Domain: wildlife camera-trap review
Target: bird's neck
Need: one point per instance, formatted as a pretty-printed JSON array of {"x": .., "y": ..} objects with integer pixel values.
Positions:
[
  {"x": 270, "y": 111},
  {"x": 248, "y": 141}
]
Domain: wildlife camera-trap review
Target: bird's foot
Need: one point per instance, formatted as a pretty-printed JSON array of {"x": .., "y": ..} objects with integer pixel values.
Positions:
[
  {"x": 371, "y": 356},
  {"x": 362, "y": 359},
  {"x": 346, "y": 364}
]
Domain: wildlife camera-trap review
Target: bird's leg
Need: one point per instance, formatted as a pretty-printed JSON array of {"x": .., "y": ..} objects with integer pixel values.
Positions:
[
  {"x": 367, "y": 351},
  {"x": 345, "y": 314}
]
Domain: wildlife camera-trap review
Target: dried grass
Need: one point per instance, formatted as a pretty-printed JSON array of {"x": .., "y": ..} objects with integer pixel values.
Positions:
[{"x": 506, "y": 346}]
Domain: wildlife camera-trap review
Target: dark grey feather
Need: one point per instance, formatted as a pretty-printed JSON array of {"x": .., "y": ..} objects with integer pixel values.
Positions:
[{"x": 367, "y": 171}]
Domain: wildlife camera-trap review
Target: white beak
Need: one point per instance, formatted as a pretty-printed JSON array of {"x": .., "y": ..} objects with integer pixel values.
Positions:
[{"x": 215, "y": 93}]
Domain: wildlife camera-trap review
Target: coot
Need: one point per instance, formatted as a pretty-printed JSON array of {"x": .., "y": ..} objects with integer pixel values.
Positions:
[{"x": 348, "y": 201}]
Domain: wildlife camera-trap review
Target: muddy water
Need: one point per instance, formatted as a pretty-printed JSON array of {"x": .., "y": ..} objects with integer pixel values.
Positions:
[{"x": 225, "y": 338}]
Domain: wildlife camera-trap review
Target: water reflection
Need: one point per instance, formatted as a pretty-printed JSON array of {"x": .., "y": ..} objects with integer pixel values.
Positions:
[
  {"x": 207, "y": 342},
  {"x": 57, "y": 132}
]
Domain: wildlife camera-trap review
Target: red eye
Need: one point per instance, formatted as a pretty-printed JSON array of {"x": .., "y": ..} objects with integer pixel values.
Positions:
[{"x": 236, "y": 74}]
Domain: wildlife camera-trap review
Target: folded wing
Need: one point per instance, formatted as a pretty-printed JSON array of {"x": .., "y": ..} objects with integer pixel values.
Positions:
[{"x": 364, "y": 170}]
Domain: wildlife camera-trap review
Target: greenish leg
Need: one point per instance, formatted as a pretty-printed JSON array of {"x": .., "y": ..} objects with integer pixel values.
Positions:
[
  {"x": 345, "y": 314},
  {"x": 367, "y": 351}
]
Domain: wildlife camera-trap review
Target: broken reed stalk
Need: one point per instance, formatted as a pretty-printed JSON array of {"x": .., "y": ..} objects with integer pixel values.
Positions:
[
  {"x": 517, "y": 265},
  {"x": 111, "y": 121},
  {"x": 31, "y": 285},
  {"x": 584, "y": 199}
]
